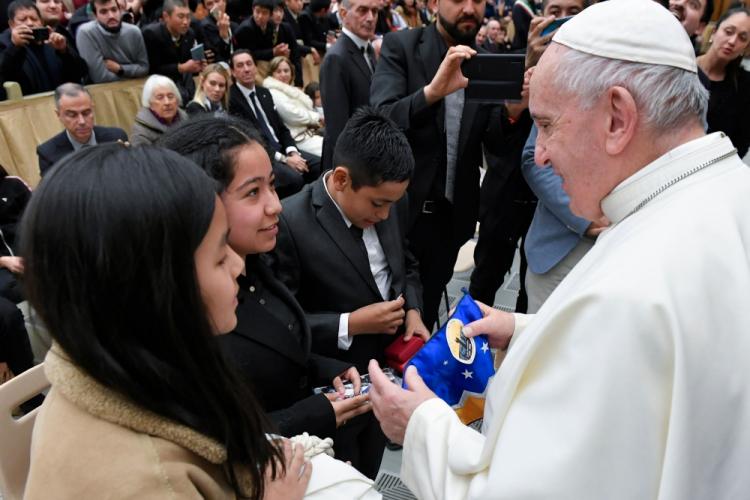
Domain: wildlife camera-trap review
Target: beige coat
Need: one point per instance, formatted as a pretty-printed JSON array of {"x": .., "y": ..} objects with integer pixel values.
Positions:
[{"x": 90, "y": 442}]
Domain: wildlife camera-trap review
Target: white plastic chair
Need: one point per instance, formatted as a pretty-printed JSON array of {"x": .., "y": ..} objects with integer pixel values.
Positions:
[{"x": 15, "y": 433}]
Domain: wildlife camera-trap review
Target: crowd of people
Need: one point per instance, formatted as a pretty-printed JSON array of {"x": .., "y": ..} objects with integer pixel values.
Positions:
[{"x": 215, "y": 279}]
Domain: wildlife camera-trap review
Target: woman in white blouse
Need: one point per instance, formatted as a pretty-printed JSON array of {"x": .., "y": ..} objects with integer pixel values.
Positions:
[{"x": 294, "y": 106}]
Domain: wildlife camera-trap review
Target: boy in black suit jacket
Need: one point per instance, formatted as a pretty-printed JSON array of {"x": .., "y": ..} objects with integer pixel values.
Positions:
[{"x": 341, "y": 254}]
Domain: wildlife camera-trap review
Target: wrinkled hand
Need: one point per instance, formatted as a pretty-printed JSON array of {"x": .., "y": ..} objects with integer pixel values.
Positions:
[
  {"x": 415, "y": 326},
  {"x": 449, "y": 77},
  {"x": 537, "y": 43},
  {"x": 112, "y": 66},
  {"x": 21, "y": 35},
  {"x": 496, "y": 324},
  {"x": 347, "y": 409},
  {"x": 393, "y": 406},
  {"x": 12, "y": 264},
  {"x": 380, "y": 317},
  {"x": 5, "y": 373},
  {"x": 298, "y": 163},
  {"x": 291, "y": 482},
  {"x": 57, "y": 42},
  {"x": 597, "y": 226}
]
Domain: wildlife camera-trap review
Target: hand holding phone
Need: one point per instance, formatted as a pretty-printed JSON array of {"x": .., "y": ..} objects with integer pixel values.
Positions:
[
  {"x": 552, "y": 27},
  {"x": 40, "y": 34},
  {"x": 197, "y": 53}
]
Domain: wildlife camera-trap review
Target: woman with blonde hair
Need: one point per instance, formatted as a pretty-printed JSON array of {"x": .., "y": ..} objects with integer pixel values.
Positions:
[
  {"x": 294, "y": 106},
  {"x": 212, "y": 92}
]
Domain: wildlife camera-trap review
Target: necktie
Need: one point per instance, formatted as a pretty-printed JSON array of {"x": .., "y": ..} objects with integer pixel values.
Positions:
[
  {"x": 369, "y": 54},
  {"x": 357, "y": 234},
  {"x": 264, "y": 127}
]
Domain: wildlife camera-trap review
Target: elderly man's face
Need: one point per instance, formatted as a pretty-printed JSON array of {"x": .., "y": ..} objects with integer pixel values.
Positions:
[
  {"x": 689, "y": 13},
  {"x": 568, "y": 138},
  {"x": 76, "y": 113}
]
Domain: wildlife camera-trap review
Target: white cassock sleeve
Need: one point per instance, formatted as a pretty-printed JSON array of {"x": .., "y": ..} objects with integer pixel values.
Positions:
[{"x": 578, "y": 410}]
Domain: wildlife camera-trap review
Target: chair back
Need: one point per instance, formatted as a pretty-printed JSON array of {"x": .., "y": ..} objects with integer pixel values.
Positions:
[{"x": 15, "y": 433}]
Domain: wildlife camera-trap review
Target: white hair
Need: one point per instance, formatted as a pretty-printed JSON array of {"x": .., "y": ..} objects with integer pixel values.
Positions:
[
  {"x": 666, "y": 97},
  {"x": 155, "y": 81}
]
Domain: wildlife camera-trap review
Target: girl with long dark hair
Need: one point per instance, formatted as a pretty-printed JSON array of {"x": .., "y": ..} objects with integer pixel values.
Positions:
[{"x": 127, "y": 263}]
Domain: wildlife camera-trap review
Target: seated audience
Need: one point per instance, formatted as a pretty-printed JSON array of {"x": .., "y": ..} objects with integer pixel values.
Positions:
[
  {"x": 263, "y": 38},
  {"x": 112, "y": 49},
  {"x": 160, "y": 110},
  {"x": 37, "y": 65},
  {"x": 312, "y": 90},
  {"x": 342, "y": 245},
  {"x": 271, "y": 342},
  {"x": 292, "y": 168},
  {"x": 294, "y": 106},
  {"x": 168, "y": 45},
  {"x": 409, "y": 12},
  {"x": 728, "y": 83},
  {"x": 218, "y": 30},
  {"x": 694, "y": 15},
  {"x": 292, "y": 10},
  {"x": 212, "y": 94},
  {"x": 142, "y": 404},
  {"x": 318, "y": 28},
  {"x": 75, "y": 110},
  {"x": 389, "y": 19}
]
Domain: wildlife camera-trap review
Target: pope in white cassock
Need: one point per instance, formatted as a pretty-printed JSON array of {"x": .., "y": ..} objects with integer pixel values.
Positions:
[{"x": 633, "y": 380}]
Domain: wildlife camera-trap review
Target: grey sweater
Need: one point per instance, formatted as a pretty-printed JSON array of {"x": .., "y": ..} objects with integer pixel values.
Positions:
[{"x": 95, "y": 44}]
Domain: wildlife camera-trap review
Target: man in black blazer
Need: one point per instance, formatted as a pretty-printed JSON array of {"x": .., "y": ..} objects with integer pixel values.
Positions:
[
  {"x": 218, "y": 31},
  {"x": 168, "y": 45},
  {"x": 75, "y": 110},
  {"x": 413, "y": 78},
  {"x": 291, "y": 167},
  {"x": 264, "y": 38},
  {"x": 317, "y": 26},
  {"x": 347, "y": 70},
  {"x": 292, "y": 10},
  {"x": 343, "y": 256}
]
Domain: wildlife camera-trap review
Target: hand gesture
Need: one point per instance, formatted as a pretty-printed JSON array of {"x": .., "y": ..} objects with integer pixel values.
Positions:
[
  {"x": 352, "y": 375},
  {"x": 346, "y": 409},
  {"x": 21, "y": 35},
  {"x": 315, "y": 56},
  {"x": 290, "y": 482},
  {"x": 12, "y": 264},
  {"x": 281, "y": 49},
  {"x": 380, "y": 317},
  {"x": 190, "y": 66},
  {"x": 536, "y": 42},
  {"x": 393, "y": 406},
  {"x": 223, "y": 24},
  {"x": 57, "y": 42},
  {"x": 497, "y": 324},
  {"x": 112, "y": 66},
  {"x": 415, "y": 326},
  {"x": 449, "y": 78},
  {"x": 298, "y": 163}
]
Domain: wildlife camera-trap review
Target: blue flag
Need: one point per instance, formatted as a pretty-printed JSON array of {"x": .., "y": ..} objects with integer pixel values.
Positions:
[{"x": 453, "y": 366}]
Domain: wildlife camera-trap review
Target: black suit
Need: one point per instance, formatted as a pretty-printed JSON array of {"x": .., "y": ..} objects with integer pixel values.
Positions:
[
  {"x": 59, "y": 146},
  {"x": 277, "y": 361},
  {"x": 281, "y": 369},
  {"x": 315, "y": 29},
  {"x": 288, "y": 180},
  {"x": 322, "y": 264},
  {"x": 344, "y": 86},
  {"x": 164, "y": 56},
  {"x": 213, "y": 41},
  {"x": 261, "y": 43},
  {"x": 408, "y": 61}
]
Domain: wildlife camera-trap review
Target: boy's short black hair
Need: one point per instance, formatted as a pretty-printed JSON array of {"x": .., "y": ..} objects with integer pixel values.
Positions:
[
  {"x": 266, "y": 4},
  {"x": 318, "y": 5},
  {"x": 373, "y": 149}
]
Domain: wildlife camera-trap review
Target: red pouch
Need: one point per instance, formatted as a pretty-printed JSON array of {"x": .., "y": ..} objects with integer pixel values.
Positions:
[{"x": 399, "y": 352}]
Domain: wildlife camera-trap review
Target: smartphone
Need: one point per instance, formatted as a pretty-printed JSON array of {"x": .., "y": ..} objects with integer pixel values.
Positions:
[
  {"x": 197, "y": 52},
  {"x": 494, "y": 78},
  {"x": 40, "y": 34},
  {"x": 555, "y": 24},
  {"x": 365, "y": 388}
]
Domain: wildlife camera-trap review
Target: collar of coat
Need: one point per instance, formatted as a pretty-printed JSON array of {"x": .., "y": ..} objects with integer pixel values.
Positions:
[{"x": 94, "y": 398}]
